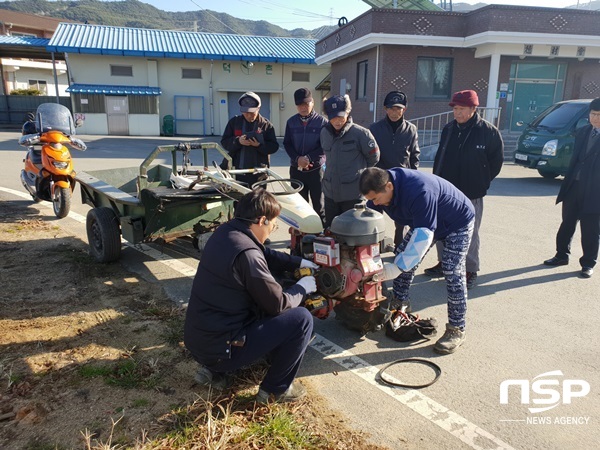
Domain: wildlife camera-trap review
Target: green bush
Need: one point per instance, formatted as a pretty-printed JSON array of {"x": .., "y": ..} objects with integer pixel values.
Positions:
[{"x": 28, "y": 91}]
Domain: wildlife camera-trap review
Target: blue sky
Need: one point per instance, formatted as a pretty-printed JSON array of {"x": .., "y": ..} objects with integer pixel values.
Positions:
[{"x": 309, "y": 14}]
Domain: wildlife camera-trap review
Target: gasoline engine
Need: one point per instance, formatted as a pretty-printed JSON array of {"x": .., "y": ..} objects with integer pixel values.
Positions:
[{"x": 351, "y": 272}]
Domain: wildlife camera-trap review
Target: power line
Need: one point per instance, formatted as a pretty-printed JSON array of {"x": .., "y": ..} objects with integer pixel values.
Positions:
[{"x": 216, "y": 18}]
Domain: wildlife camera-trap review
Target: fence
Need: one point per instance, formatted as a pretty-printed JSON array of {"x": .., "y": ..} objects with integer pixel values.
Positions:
[
  {"x": 430, "y": 129},
  {"x": 14, "y": 108}
]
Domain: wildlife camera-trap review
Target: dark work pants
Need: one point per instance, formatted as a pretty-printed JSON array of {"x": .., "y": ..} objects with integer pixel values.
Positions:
[
  {"x": 333, "y": 209},
  {"x": 589, "y": 224},
  {"x": 312, "y": 187},
  {"x": 284, "y": 338}
]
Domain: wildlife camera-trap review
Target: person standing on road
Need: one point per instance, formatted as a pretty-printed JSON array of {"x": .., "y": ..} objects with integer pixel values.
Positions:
[
  {"x": 397, "y": 139},
  {"x": 470, "y": 156},
  {"x": 302, "y": 142},
  {"x": 249, "y": 138},
  {"x": 348, "y": 148},
  {"x": 433, "y": 209},
  {"x": 580, "y": 197},
  {"x": 238, "y": 312}
]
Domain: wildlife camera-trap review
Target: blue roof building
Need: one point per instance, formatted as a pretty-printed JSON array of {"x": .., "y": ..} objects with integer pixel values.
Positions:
[{"x": 126, "y": 80}]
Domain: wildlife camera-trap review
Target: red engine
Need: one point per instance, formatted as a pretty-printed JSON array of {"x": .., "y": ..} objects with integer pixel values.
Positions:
[{"x": 351, "y": 270}]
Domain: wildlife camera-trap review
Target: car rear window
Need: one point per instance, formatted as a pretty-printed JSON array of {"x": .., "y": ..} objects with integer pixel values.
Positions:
[{"x": 559, "y": 115}]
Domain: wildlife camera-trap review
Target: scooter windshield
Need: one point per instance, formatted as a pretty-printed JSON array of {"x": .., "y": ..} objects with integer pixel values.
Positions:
[{"x": 52, "y": 116}]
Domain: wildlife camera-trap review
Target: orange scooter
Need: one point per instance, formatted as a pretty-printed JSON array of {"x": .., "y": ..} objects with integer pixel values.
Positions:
[{"x": 48, "y": 174}]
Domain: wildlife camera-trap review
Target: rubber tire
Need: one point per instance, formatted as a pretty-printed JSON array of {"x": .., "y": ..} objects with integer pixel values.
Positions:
[
  {"x": 548, "y": 175},
  {"x": 61, "y": 202},
  {"x": 104, "y": 234}
]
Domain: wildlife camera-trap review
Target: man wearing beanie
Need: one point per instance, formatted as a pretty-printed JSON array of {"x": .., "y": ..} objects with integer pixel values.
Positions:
[
  {"x": 302, "y": 143},
  {"x": 349, "y": 148},
  {"x": 397, "y": 139},
  {"x": 470, "y": 156},
  {"x": 249, "y": 138}
]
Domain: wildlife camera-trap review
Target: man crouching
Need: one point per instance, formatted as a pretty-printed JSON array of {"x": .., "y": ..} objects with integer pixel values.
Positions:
[{"x": 238, "y": 313}]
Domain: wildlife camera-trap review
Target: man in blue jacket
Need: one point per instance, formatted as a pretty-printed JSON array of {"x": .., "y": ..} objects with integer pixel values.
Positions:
[
  {"x": 580, "y": 197},
  {"x": 434, "y": 210},
  {"x": 302, "y": 142},
  {"x": 238, "y": 312}
]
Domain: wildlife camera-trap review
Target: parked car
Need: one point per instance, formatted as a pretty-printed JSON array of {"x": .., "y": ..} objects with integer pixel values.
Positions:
[{"x": 547, "y": 143}]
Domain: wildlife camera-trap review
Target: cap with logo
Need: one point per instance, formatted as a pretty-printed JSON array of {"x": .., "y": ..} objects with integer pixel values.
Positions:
[
  {"x": 302, "y": 95},
  {"x": 249, "y": 102},
  {"x": 466, "y": 98},
  {"x": 335, "y": 107},
  {"x": 395, "y": 98}
]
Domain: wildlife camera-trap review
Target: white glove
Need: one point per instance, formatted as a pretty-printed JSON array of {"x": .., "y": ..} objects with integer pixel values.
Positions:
[
  {"x": 307, "y": 263},
  {"x": 308, "y": 283}
]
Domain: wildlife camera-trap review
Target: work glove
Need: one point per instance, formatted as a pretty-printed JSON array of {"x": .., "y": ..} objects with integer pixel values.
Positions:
[
  {"x": 308, "y": 283},
  {"x": 307, "y": 263}
]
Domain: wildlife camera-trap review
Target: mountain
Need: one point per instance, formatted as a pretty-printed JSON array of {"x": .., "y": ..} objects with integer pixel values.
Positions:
[{"x": 133, "y": 13}]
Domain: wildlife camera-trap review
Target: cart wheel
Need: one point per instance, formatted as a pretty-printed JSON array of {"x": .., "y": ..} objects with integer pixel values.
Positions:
[
  {"x": 61, "y": 202},
  {"x": 294, "y": 185},
  {"x": 104, "y": 234}
]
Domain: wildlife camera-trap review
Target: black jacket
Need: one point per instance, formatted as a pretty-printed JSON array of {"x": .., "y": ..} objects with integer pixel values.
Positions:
[
  {"x": 589, "y": 164},
  {"x": 248, "y": 157},
  {"x": 233, "y": 287},
  {"x": 471, "y": 156},
  {"x": 397, "y": 149}
]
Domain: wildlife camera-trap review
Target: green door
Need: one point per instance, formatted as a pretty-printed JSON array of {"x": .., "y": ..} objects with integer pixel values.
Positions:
[{"x": 530, "y": 99}]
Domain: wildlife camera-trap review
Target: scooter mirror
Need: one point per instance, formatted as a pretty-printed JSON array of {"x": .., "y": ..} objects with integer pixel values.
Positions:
[
  {"x": 29, "y": 139},
  {"x": 78, "y": 144}
]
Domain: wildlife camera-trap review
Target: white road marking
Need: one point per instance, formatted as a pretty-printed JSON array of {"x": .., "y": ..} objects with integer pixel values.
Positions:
[{"x": 469, "y": 433}]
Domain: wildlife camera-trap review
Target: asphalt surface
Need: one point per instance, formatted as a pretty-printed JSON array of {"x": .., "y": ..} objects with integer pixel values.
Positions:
[{"x": 525, "y": 320}]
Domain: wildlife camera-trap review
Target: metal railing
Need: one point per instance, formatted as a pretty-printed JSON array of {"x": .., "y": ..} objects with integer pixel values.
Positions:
[{"x": 430, "y": 128}]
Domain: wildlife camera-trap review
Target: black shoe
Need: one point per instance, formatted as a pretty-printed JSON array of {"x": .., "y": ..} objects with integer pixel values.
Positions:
[
  {"x": 586, "y": 272},
  {"x": 471, "y": 279},
  {"x": 554, "y": 261},
  {"x": 435, "y": 271}
]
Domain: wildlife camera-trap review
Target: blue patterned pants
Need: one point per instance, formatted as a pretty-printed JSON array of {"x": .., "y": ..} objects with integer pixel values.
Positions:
[{"x": 456, "y": 246}]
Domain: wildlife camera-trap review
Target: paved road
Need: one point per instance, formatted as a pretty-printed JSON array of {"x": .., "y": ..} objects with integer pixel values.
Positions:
[{"x": 524, "y": 320}]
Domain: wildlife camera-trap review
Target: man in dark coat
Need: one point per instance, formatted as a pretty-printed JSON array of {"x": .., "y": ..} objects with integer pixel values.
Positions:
[
  {"x": 397, "y": 139},
  {"x": 302, "y": 142},
  {"x": 238, "y": 313},
  {"x": 580, "y": 197},
  {"x": 470, "y": 156},
  {"x": 249, "y": 138}
]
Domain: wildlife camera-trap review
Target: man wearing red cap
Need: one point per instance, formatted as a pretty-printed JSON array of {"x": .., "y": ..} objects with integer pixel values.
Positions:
[{"x": 470, "y": 156}]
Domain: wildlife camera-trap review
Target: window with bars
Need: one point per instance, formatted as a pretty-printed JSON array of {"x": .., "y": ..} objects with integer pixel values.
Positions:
[
  {"x": 143, "y": 104},
  {"x": 434, "y": 78},
  {"x": 88, "y": 103},
  {"x": 121, "y": 71},
  {"x": 40, "y": 85}
]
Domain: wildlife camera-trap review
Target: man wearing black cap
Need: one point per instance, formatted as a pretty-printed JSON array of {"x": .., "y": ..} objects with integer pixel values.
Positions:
[
  {"x": 303, "y": 145},
  {"x": 349, "y": 148},
  {"x": 470, "y": 156},
  {"x": 397, "y": 139},
  {"x": 249, "y": 138}
]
